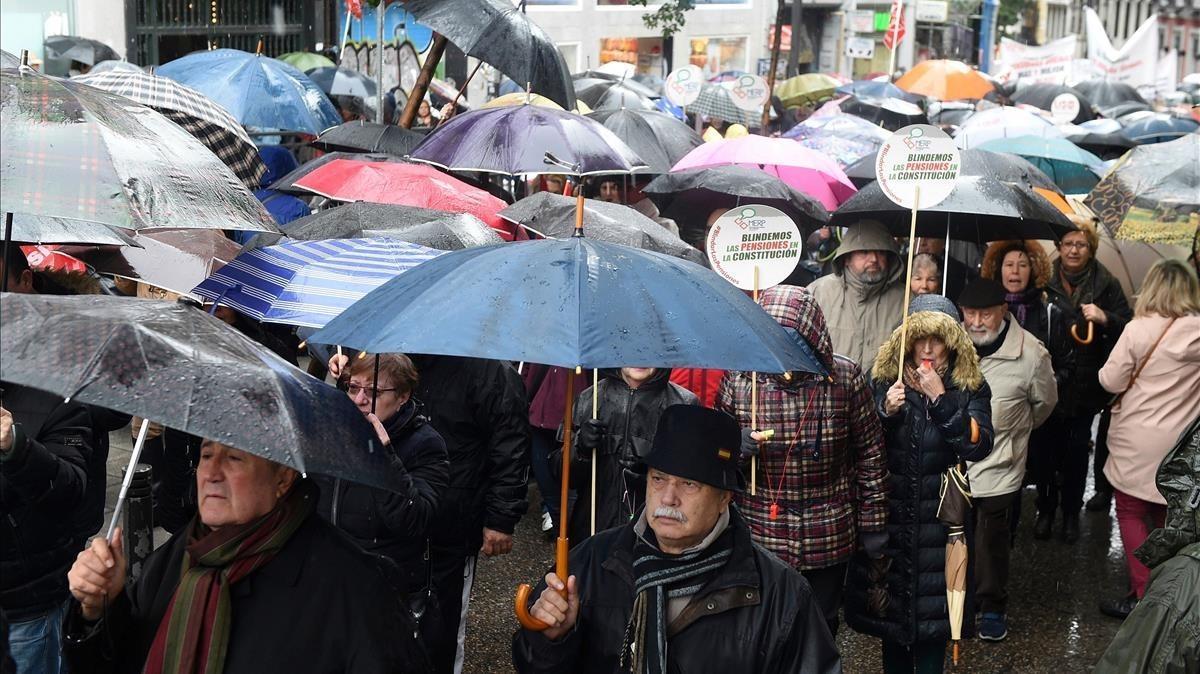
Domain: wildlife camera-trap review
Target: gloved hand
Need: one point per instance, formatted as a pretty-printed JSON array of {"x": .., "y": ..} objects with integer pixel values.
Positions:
[
  {"x": 750, "y": 446},
  {"x": 591, "y": 434},
  {"x": 873, "y": 542}
]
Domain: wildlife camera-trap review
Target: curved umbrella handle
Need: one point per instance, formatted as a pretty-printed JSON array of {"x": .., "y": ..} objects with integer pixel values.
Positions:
[
  {"x": 974, "y": 431},
  {"x": 522, "y": 608},
  {"x": 1091, "y": 329}
]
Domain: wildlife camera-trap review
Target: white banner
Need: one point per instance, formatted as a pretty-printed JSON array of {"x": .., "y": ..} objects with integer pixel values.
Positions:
[
  {"x": 1050, "y": 62},
  {"x": 1167, "y": 73},
  {"x": 1135, "y": 63}
]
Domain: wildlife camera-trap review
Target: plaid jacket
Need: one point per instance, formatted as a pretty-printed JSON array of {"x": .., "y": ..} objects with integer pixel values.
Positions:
[{"x": 833, "y": 481}]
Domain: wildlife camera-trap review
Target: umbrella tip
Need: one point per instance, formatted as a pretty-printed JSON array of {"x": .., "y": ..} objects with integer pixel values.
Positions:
[
  {"x": 25, "y": 57},
  {"x": 259, "y": 49}
]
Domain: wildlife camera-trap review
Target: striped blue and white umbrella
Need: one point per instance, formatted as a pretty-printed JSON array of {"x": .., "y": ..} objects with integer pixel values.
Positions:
[{"x": 307, "y": 283}]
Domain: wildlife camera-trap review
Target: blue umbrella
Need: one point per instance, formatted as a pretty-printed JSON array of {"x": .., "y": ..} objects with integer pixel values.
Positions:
[
  {"x": 873, "y": 89},
  {"x": 260, "y": 92},
  {"x": 570, "y": 302},
  {"x": 1073, "y": 169},
  {"x": 307, "y": 283}
]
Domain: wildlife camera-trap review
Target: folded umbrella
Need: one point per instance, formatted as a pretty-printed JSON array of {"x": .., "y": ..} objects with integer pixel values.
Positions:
[
  {"x": 362, "y": 219},
  {"x": 362, "y": 136},
  {"x": 82, "y": 49},
  {"x": 660, "y": 139},
  {"x": 954, "y": 507},
  {"x": 1152, "y": 194}
]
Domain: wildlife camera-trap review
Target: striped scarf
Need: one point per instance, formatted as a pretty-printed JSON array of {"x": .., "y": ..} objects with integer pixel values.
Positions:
[
  {"x": 659, "y": 578},
  {"x": 194, "y": 633}
]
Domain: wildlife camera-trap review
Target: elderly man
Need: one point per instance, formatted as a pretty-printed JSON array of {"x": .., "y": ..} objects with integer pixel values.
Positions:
[
  {"x": 864, "y": 298},
  {"x": 682, "y": 587},
  {"x": 258, "y": 582},
  {"x": 1018, "y": 369}
]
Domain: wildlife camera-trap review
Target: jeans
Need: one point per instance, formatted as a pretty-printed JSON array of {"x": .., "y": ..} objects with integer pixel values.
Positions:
[
  {"x": 1059, "y": 463},
  {"x": 923, "y": 657},
  {"x": 1136, "y": 519},
  {"x": 36, "y": 643},
  {"x": 543, "y": 444}
]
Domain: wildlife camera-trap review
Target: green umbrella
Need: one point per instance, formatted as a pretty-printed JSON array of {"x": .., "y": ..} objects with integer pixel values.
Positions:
[
  {"x": 305, "y": 61},
  {"x": 807, "y": 88}
]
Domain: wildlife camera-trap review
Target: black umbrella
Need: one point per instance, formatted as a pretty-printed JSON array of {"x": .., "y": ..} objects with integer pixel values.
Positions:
[
  {"x": 1160, "y": 128},
  {"x": 362, "y": 219},
  {"x": 629, "y": 83},
  {"x": 1103, "y": 145},
  {"x": 890, "y": 113},
  {"x": 660, "y": 139},
  {"x": 176, "y": 365},
  {"x": 1104, "y": 94},
  {"x": 288, "y": 182},
  {"x": 361, "y": 136},
  {"x": 497, "y": 32},
  {"x": 690, "y": 196},
  {"x": 610, "y": 95},
  {"x": 82, "y": 49},
  {"x": 552, "y": 216},
  {"x": 1002, "y": 166},
  {"x": 1041, "y": 95},
  {"x": 1125, "y": 109}
]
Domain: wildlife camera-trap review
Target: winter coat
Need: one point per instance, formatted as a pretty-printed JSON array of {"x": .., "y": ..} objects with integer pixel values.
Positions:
[
  {"x": 859, "y": 317},
  {"x": 89, "y": 518},
  {"x": 923, "y": 440},
  {"x": 1023, "y": 396},
  {"x": 1080, "y": 393},
  {"x": 756, "y": 615},
  {"x": 1152, "y": 413},
  {"x": 546, "y": 388},
  {"x": 283, "y": 207},
  {"x": 395, "y": 524},
  {"x": 630, "y": 417},
  {"x": 703, "y": 382},
  {"x": 479, "y": 408},
  {"x": 43, "y": 481},
  {"x": 825, "y": 465},
  {"x": 320, "y": 604}
]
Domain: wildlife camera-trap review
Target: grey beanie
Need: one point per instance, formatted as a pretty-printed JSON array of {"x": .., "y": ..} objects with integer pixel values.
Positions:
[{"x": 933, "y": 302}]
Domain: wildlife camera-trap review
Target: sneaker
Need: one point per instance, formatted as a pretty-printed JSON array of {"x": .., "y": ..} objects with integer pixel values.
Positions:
[
  {"x": 993, "y": 627},
  {"x": 1099, "y": 502},
  {"x": 1118, "y": 608},
  {"x": 547, "y": 523}
]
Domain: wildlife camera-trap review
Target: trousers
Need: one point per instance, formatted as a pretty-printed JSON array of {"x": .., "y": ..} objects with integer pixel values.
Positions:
[{"x": 1059, "y": 463}]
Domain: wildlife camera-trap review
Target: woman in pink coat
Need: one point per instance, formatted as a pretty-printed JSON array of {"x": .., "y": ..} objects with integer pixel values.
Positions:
[{"x": 1162, "y": 400}]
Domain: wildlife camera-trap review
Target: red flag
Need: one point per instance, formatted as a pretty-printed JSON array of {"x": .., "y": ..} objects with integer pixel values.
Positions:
[
  {"x": 355, "y": 8},
  {"x": 895, "y": 30}
]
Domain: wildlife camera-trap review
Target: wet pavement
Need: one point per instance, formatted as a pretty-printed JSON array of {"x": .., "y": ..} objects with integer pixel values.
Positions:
[{"x": 1054, "y": 624}]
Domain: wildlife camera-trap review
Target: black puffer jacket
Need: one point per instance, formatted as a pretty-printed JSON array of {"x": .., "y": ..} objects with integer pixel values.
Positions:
[
  {"x": 630, "y": 417},
  {"x": 43, "y": 479},
  {"x": 89, "y": 518},
  {"x": 923, "y": 440},
  {"x": 395, "y": 525},
  {"x": 479, "y": 408},
  {"x": 758, "y": 615}
]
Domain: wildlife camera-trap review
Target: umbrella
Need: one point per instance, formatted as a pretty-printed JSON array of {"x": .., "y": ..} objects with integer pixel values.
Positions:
[
  {"x": 261, "y": 93},
  {"x": 114, "y": 65},
  {"x": 890, "y": 113},
  {"x": 305, "y": 61},
  {"x": 8, "y": 60},
  {"x": 809, "y": 172},
  {"x": 1104, "y": 94},
  {"x": 497, "y": 32},
  {"x": 1042, "y": 95},
  {"x": 171, "y": 259},
  {"x": 307, "y": 283},
  {"x": 82, "y": 49},
  {"x": 806, "y": 88},
  {"x": 843, "y": 125},
  {"x": 1003, "y": 123},
  {"x": 180, "y": 367},
  {"x": 660, "y": 139},
  {"x": 1160, "y": 127},
  {"x": 1006, "y": 167},
  {"x": 77, "y": 152},
  {"x": 205, "y": 120},
  {"x": 1074, "y": 170},
  {"x": 605, "y": 94},
  {"x": 288, "y": 182},
  {"x": 953, "y": 509},
  {"x": 945, "y": 80},
  {"x": 45, "y": 229},
  {"x": 1152, "y": 194},
  {"x": 362, "y": 136},
  {"x": 1105, "y": 145},
  {"x": 362, "y": 219},
  {"x": 404, "y": 184},
  {"x": 716, "y": 102},
  {"x": 552, "y": 215},
  {"x": 516, "y": 139},
  {"x": 344, "y": 82},
  {"x": 873, "y": 89},
  {"x": 845, "y": 151},
  {"x": 625, "y": 79},
  {"x": 727, "y": 76}
]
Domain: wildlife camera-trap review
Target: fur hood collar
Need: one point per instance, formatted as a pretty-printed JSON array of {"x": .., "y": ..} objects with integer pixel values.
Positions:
[{"x": 964, "y": 371}]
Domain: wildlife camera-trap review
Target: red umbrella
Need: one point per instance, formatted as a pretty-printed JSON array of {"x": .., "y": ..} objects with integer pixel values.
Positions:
[{"x": 406, "y": 185}]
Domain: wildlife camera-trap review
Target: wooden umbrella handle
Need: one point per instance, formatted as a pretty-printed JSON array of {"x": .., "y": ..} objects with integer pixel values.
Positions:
[
  {"x": 522, "y": 606},
  {"x": 1091, "y": 329},
  {"x": 974, "y": 431}
]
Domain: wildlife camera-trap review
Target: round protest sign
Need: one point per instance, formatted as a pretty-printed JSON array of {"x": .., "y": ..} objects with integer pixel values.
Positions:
[
  {"x": 749, "y": 92},
  {"x": 751, "y": 236},
  {"x": 1064, "y": 108},
  {"x": 918, "y": 156},
  {"x": 683, "y": 85}
]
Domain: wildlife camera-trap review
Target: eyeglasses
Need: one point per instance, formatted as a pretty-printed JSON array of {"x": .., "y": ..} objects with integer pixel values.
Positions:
[
  {"x": 354, "y": 389},
  {"x": 1074, "y": 245}
]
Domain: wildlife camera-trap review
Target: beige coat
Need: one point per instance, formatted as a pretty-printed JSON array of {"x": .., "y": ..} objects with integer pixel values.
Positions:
[
  {"x": 1163, "y": 401},
  {"x": 1024, "y": 394}
]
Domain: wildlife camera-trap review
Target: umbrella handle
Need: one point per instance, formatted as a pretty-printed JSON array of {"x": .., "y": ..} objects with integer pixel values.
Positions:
[
  {"x": 1091, "y": 329},
  {"x": 524, "y": 590},
  {"x": 974, "y": 431}
]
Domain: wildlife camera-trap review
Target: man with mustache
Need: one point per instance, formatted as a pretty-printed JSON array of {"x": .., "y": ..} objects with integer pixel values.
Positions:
[
  {"x": 682, "y": 587},
  {"x": 1024, "y": 392}
]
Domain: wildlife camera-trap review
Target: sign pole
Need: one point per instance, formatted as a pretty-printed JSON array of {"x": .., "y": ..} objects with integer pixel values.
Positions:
[
  {"x": 595, "y": 415},
  {"x": 754, "y": 406},
  {"x": 912, "y": 243}
]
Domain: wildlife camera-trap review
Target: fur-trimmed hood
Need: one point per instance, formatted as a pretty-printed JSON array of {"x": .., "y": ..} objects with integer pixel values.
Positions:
[
  {"x": 964, "y": 372},
  {"x": 1038, "y": 260}
]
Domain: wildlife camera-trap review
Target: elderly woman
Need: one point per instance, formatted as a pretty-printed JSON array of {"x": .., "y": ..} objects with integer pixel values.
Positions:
[
  {"x": 1155, "y": 366},
  {"x": 257, "y": 583},
  {"x": 926, "y": 275},
  {"x": 936, "y": 413}
]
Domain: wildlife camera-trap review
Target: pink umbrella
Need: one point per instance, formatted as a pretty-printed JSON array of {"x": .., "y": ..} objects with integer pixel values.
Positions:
[{"x": 801, "y": 168}]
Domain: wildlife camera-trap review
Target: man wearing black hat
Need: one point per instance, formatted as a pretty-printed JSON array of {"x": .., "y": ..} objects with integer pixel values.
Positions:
[
  {"x": 682, "y": 587},
  {"x": 1018, "y": 370}
]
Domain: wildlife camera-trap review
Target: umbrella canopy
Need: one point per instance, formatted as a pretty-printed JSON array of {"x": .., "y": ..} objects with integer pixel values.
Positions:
[
  {"x": 806, "y": 88},
  {"x": 945, "y": 80},
  {"x": 874, "y": 89},
  {"x": 843, "y": 125},
  {"x": 362, "y": 219},
  {"x": 1160, "y": 128},
  {"x": 180, "y": 367},
  {"x": 404, "y": 184},
  {"x": 716, "y": 102},
  {"x": 205, "y": 120},
  {"x": 171, "y": 259},
  {"x": 497, "y": 32},
  {"x": 889, "y": 113},
  {"x": 362, "y": 136},
  {"x": 1105, "y": 145},
  {"x": 1002, "y": 123},
  {"x": 809, "y": 172},
  {"x": 660, "y": 139},
  {"x": 8, "y": 60},
  {"x": 305, "y": 61},
  {"x": 516, "y": 139},
  {"x": 82, "y": 49},
  {"x": 1104, "y": 94},
  {"x": 336, "y": 81},
  {"x": 114, "y": 65},
  {"x": 44, "y": 229},
  {"x": 288, "y": 182},
  {"x": 627, "y": 79},
  {"x": 1041, "y": 95},
  {"x": 261, "y": 93},
  {"x": 307, "y": 283},
  {"x": 74, "y": 151},
  {"x": 1074, "y": 170},
  {"x": 570, "y": 302},
  {"x": 1006, "y": 167},
  {"x": 845, "y": 151},
  {"x": 552, "y": 216},
  {"x": 1152, "y": 194},
  {"x": 607, "y": 94}
]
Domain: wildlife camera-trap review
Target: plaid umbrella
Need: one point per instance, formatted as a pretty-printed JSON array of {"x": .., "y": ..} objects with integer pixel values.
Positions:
[
  {"x": 196, "y": 113},
  {"x": 716, "y": 101}
]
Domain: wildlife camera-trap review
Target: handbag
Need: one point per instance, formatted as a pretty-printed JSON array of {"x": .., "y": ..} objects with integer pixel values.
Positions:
[{"x": 1116, "y": 399}]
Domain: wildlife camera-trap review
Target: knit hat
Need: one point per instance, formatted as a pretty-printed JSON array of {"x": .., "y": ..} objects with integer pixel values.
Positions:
[
  {"x": 981, "y": 293},
  {"x": 933, "y": 302},
  {"x": 700, "y": 444}
]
